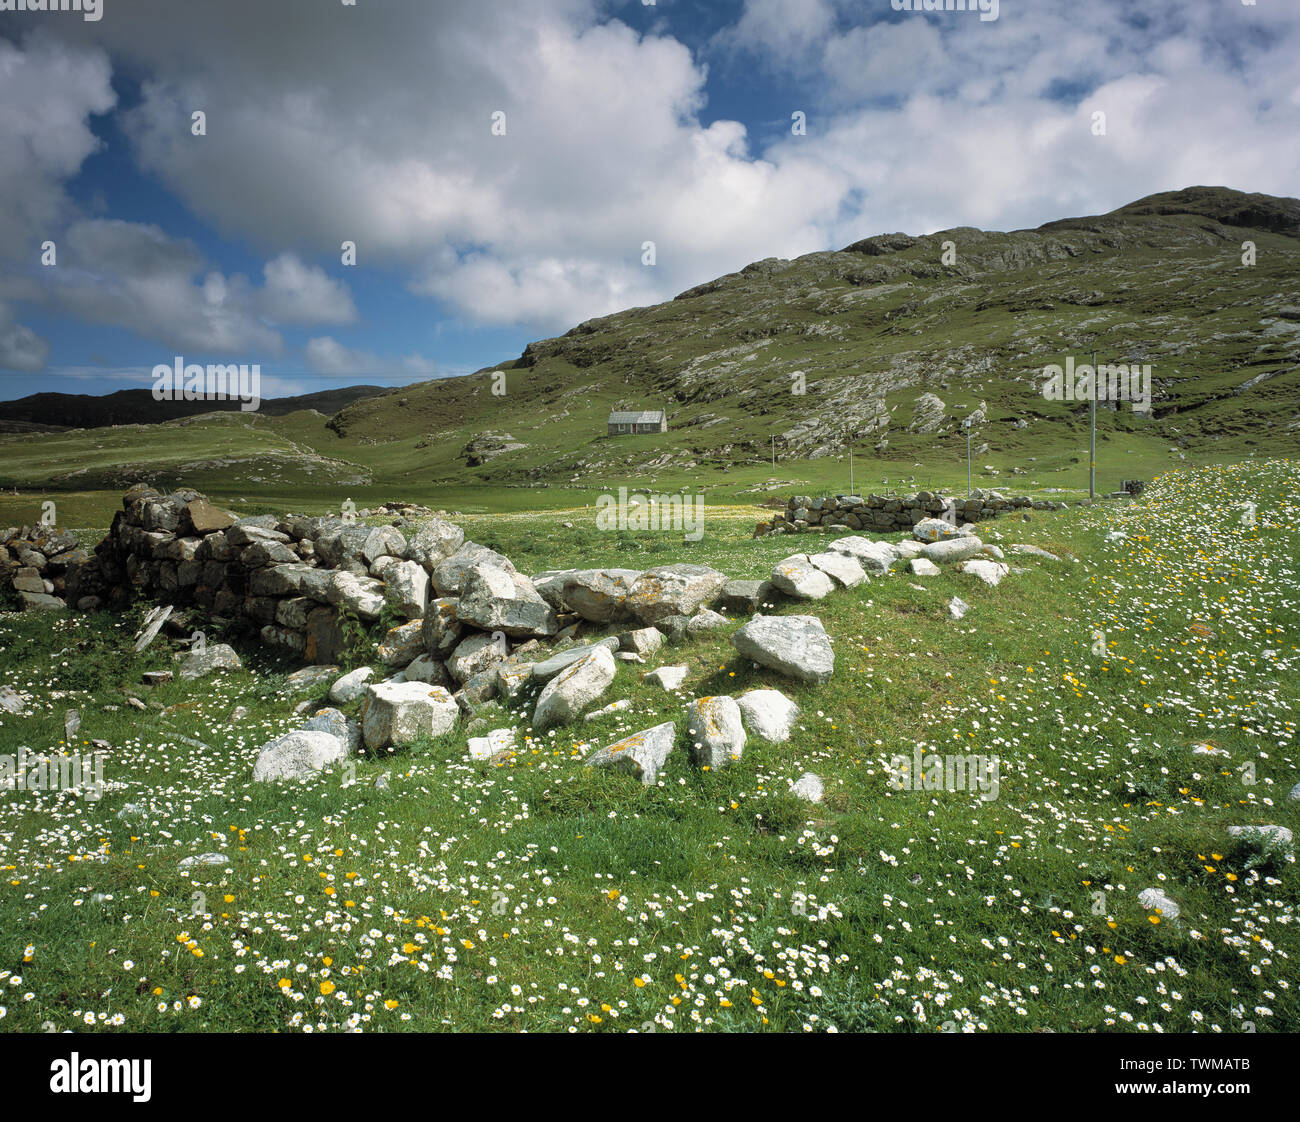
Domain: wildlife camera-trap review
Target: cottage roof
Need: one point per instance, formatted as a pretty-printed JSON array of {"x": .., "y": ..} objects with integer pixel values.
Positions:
[{"x": 644, "y": 417}]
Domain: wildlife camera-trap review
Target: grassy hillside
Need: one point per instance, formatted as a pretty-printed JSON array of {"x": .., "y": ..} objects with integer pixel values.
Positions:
[
  {"x": 539, "y": 895},
  {"x": 864, "y": 332}
]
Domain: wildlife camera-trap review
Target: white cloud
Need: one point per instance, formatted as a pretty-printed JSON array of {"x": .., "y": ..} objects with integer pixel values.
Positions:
[
  {"x": 21, "y": 349},
  {"x": 49, "y": 91},
  {"x": 325, "y": 355},
  {"x": 917, "y": 121},
  {"x": 133, "y": 275},
  {"x": 298, "y": 293}
]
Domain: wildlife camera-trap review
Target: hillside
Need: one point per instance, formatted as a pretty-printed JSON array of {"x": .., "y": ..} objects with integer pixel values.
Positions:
[
  {"x": 874, "y": 327},
  {"x": 891, "y": 348}
]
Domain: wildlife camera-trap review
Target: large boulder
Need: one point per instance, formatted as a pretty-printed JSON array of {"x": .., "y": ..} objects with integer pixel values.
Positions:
[
  {"x": 798, "y": 577},
  {"x": 768, "y": 714},
  {"x": 796, "y": 646},
  {"x": 643, "y": 754},
  {"x": 363, "y": 596},
  {"x": 406, "y": 587},
  {"x": 673, "y": 590},
  {"x": 396, "y": 713},
  {"x": 873, "y": 556},
  {"x": 204, "y": 660},
  {"x": 474, "y": 654},
  {"x": 448, "y": 573},
  {"x": 571, "y": 691},
  {"x": 933, "y": 530},
  {"x": 298, "y": 754},
  {"x": 842, "y": 568},
  {"x": 952, "y": 550},
  {"x": 715, "y": 731},
  {"x": 435, "y": 541},
  {"x": 599, "y": 595},
  {"x": 497, "y": 599}
]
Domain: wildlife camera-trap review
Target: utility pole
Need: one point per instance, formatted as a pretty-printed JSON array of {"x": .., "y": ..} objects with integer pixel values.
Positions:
[
  {"x": 850, "y": 466},
  {"x": 774, "y": 453},
  {"x": 1092, "y": 434},
  {"x": 967, "y": 422}
]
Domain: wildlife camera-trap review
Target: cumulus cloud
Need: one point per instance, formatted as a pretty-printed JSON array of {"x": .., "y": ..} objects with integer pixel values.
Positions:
[
  {"x": 299, "y": 293},
  {"x": 377, "y": 128},
  {"x": 21, "y": 349},
  {"x": 326, "y": 355},
  {"x": 49, "y": 91}
]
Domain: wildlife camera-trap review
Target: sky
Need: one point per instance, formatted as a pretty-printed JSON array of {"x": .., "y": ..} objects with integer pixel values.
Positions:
[{"x": 501, "y": 165}]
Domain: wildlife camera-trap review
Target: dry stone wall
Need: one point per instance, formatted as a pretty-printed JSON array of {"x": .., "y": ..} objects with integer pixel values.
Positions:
[
  {"x": 290, "y": 578},
  {"x": 888, "y": 513}
]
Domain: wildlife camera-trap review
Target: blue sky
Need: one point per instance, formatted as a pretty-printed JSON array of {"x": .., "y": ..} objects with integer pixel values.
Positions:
[{"x": 624, "y": 123}]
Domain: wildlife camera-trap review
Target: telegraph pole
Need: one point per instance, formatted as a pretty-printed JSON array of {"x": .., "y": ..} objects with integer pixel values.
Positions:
[
  {"x": 967, "y": 422},
  {"x": 1092, "y": 434},
  {"x": 774, "y": 453}
]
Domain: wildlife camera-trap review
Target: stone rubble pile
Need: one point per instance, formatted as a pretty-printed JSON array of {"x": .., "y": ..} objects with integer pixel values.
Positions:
[
  {"x": 34, "y": 562},
  {"x": 474, "y": 629}
]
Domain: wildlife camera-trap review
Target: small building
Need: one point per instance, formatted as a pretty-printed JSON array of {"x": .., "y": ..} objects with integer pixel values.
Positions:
[{"x": 648, "y": 420}]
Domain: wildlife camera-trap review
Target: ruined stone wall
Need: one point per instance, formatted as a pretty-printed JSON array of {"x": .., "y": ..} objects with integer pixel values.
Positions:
[
  {"x": 886, "y": 513},
  {"x": 288, "y": 578}
]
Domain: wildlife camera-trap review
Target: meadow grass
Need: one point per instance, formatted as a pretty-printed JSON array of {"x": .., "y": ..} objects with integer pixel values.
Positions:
[{"x": 543, "y": 895}]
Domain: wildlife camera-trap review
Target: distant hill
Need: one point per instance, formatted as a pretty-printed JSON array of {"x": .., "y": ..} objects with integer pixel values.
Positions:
[
  {"x": 881, "y": 349},
  {"x": 887, "y": 345},
  {"x": 53, "y": 412}
]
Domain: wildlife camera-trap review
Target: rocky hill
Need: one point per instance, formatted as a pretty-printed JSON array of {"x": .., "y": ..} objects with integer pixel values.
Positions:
[{"x": 884, "y": 345}]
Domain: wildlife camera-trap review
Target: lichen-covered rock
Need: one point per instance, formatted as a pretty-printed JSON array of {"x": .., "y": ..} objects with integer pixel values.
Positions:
[
  {"x": 990, "y": 572},
  {"x": 952, "y": 550},
  {"x": 571, "y": 691},
  {"x": 796, "y": 646},
  {"x": 402, "y": 644},
  {"x": 842, "y": 568},
  {"x": 643, "y": 754},
  {"x": 474, "y": 654},
  {"x": 363, "y": 596},
  {"x": 797, "y": 576},
  {"x": 715, "y": 732},
  {"x": 351, "y": 686},
  {"x": 209, "y": 658},
  {"x": 448, "y": 573},
  {"x": 768, "y": 714},
  {"x": 496, "y": 599},
  {"x": 298, "y": 754},
  {"x": 873, "y": 556},
  {"x": 670, "y": 590},
  {"x": 406, "y": 587},
  {"x": 435, "y": 541},
  {"x": 396, "y": 713},
  {"x": 442, "y": 627}
]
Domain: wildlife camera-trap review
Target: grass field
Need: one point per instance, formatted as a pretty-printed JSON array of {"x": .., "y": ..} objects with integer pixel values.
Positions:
[{"x": 542, "y": 895}]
